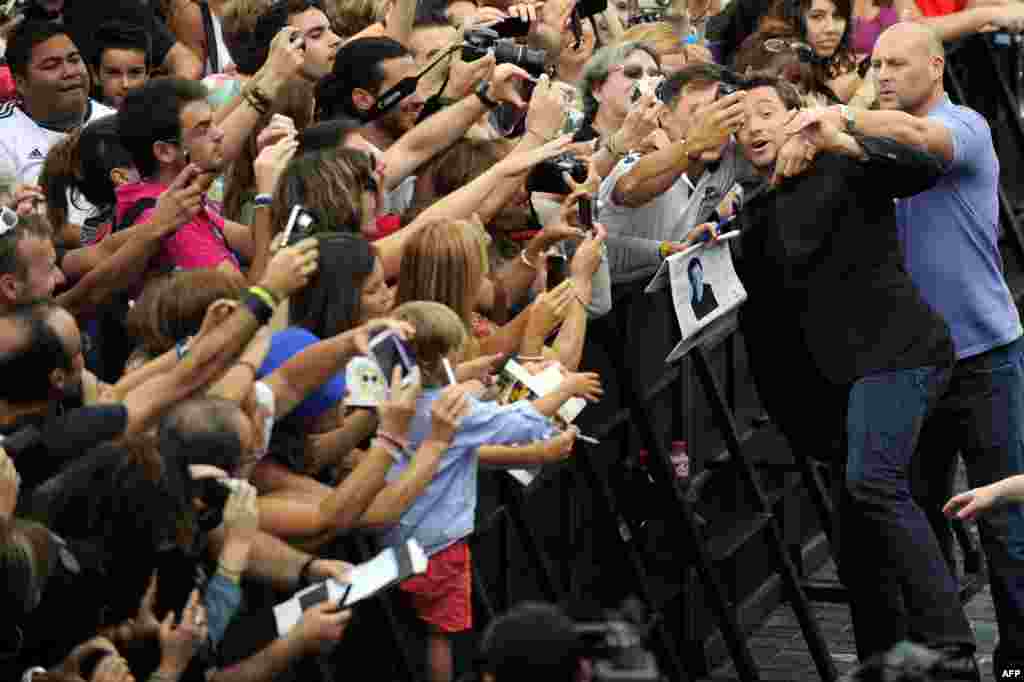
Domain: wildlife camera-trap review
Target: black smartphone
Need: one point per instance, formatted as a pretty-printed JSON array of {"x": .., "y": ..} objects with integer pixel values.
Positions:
[
  {"x": 558, "y": 269},
  {"x": 511, "y": 27},
  {"x": 586, "y": 213},
  {"x": 298, "y": 41},
  {"x": 314, "y": 597},
  {"x": 726, "y": 89}
]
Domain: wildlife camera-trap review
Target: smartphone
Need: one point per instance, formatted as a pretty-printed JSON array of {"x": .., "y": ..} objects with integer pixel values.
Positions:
[
  {"x": 586, "y": 214},
  {"x": 299, "y": 226},
  {"x": 511, "y": 27},
  {"x": 725, "y": 89},
  {"x": 298, "y": 41},
  {"x": 389, "y": 351},
  {"x": 449, "y": 372}
]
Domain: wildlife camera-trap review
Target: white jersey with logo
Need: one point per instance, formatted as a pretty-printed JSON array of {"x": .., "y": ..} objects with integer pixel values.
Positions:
[{"x": 24, "y": 144}]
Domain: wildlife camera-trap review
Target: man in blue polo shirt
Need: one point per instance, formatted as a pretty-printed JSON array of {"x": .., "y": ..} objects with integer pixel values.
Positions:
[{"x": 950, "y": 239}]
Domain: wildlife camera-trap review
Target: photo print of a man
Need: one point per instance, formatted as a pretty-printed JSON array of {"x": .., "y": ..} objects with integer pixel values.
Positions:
[{"x": 702, "y": 297}]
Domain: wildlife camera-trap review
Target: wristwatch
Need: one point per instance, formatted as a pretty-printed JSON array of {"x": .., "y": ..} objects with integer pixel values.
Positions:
[
  {"x": 848, "y": 119},
  {"x": 481, "y": 92}
]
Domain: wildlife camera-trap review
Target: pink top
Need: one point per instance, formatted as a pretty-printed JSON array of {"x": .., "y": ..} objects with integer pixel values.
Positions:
[
  {"x": 196, "y": 244},
  {"x": 866, "y": 31}
]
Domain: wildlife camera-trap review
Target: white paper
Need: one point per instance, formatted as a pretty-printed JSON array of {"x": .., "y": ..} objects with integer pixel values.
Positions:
[
  {"x": 366, "y": 580},
  {"x": 544, "y": 383},
  {"x": 523, "y": 476},
  {"x": 720, "y": 291}
]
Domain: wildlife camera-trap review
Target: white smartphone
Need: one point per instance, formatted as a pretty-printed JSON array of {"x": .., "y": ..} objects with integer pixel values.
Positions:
[
  {"x": 448, "y": 371},
  {"x": 301, "y": 218}
]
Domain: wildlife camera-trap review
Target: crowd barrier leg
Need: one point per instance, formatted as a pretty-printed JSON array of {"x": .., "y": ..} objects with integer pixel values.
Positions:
[
  {"x": 703, "y": 551},
  {"x": 797, "y": 599}
]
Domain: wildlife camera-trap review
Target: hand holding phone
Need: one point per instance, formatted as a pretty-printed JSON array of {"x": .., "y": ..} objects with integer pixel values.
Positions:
[
  {"x": 586, "y": 213},
  {"x": 389, "y": 351}
]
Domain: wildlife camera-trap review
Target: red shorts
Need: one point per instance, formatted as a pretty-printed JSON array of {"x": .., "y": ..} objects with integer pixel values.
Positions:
[{"x": 443, "y": 596}]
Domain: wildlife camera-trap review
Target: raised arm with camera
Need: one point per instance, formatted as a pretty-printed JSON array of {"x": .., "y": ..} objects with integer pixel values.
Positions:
[
  {"x": 238, "y": 119},
  {"x": 440, "y": 131},
  {"x": 268, "y": 167},
  {"x": 466, "y": 200},
  {"x": 640, "y": 122}
]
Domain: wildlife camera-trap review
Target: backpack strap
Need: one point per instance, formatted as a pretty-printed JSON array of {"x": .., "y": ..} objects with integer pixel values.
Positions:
[{"x": 133, "y": 213}]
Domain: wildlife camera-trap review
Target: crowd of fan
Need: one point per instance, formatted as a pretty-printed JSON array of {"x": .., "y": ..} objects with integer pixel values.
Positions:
[{"x": 173, "y": 364}]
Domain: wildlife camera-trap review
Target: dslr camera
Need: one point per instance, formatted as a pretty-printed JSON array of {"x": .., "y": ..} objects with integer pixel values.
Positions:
[
  {"x": 479, "y": 41},
  {"x": 546, "y": 176}
]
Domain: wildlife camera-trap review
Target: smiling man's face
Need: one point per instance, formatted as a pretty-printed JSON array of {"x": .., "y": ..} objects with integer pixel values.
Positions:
[{"x": 56, "y": 82}]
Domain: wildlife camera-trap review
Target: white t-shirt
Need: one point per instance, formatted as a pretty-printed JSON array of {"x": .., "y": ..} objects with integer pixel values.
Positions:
[
  {"x": 24, "y": 145},
  {"x": 659, "y": 219}
]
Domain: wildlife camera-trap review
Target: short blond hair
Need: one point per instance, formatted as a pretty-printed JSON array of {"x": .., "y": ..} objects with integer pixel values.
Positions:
[
  {"x": 439, "y": 332},
  {"x": 660, "y": 35}
]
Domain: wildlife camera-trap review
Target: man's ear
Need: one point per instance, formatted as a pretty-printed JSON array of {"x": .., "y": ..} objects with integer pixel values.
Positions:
[
  {"x": 58, "y": 379},
  {"x": 9, "y": 288},
  {"x": 120, "y": 176},
  {"x": 362, "y": 99},
  {"x": 938, "y": 67}
]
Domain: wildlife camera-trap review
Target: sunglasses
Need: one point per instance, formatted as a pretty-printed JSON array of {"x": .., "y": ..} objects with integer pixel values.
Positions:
[{"x": 777, "y": 46}]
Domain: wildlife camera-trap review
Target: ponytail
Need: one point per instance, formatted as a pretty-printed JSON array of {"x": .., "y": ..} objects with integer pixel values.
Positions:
[{"x": 61, "y": 174}]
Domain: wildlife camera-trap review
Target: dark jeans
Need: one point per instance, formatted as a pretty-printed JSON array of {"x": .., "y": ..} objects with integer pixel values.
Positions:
[
  {"x": 889, "y": 559},
  {"x": 981, "y": 416}
]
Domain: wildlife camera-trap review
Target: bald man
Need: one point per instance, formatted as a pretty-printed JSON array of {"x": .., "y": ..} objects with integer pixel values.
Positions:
[{"x": 950, "y": 238}]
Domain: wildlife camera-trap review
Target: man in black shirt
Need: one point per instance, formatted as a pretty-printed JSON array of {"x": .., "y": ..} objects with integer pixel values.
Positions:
[
  {"x": 41, "y": 415},
  {"x": 822, "y": 263}
]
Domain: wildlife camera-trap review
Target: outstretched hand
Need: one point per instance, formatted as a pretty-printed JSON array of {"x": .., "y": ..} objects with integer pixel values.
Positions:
[{"x": 968, "y": 505}]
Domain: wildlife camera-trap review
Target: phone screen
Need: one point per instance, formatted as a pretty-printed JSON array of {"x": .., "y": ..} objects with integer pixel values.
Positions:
[
  {"x": 389, "y": 352},
  {"x": 313, "y": 597}
]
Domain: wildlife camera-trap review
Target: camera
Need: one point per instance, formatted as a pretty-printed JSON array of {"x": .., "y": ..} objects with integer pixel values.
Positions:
[
  {"x": 510, "y": 27},
  {"x": 731, "y": 82},
  {"x": 660, "y": 91},
  {"x": 617, "y": 646},
  {"x": 479, "y": 40},
  {"x": 546, "y": 176},
  {"x": 299, "y": 226}
]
